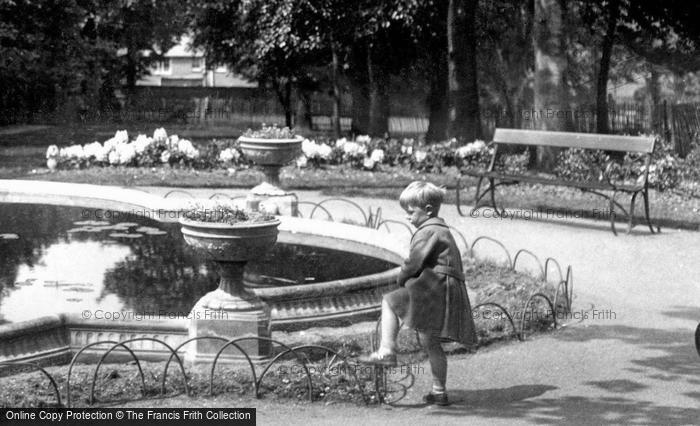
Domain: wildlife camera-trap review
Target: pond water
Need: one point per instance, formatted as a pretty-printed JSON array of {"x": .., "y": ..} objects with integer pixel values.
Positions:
[{"x": 57, "y": 259}]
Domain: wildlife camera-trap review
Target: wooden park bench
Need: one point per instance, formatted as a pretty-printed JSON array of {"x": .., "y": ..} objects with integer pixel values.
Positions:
[{"x": 588, "y": 141}]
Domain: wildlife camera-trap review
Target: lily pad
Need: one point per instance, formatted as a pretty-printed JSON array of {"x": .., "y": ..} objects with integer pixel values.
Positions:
[
  {"x": 91, "y": 223},
  {"x": 79, "y": 289},
  {"x": 125, "y": 235}
]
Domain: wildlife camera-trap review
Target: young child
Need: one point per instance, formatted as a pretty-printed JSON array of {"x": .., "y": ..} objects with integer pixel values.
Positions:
[{"x": 432, "y": 296}]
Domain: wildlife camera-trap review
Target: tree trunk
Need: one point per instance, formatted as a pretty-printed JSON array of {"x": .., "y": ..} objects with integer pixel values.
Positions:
[
  {"x": 551, "y": 107},
  {"x": 437, "y": 99},
  {"x": 653, "y": 89},
  {"x": 602, "y": 124},
  {"x": 335, "y": 120},
  {"x": 360, "y": 109},
  {"x": 303, "y": 113},
  {"x": 359, "y": 87},
  {"x": 284, "y": 95},
  {"x": 131, "y": 76},
  {"x": 378, "y": 105},
  {"x": 463, "y": 95}
]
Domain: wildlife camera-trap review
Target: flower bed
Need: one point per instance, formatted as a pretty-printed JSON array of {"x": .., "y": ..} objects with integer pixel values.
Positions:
[{"x": 371, "y": 154}]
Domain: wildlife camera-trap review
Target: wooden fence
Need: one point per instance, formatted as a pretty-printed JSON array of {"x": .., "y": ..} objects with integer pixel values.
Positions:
[{"x": 243, "y": 107}]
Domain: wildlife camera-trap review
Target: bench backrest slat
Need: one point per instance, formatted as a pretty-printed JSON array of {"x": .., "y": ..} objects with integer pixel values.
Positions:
[{"x": 575, "y": 140}]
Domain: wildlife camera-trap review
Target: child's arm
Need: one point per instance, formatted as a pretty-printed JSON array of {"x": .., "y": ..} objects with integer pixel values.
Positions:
[{"x": 421, "y": 247}]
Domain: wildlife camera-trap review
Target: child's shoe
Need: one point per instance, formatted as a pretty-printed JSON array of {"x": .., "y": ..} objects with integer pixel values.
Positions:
[
  {"x": 436, "y": 399},
  {"x": 388, "y": 360}
]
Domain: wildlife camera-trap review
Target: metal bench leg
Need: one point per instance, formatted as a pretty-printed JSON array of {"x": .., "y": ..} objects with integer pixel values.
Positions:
[
  {"x": 645, "y": 194},
  {"x": 459, "y": 208},
  {"x": 477, "y": 196},
  {"x": 492, "y": 186},
  {"x": 612, "y": 213},
  {"x": 631, "y": 224}
]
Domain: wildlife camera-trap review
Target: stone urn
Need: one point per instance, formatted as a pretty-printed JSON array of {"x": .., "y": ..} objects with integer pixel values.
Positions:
[
  {"x": 270, "y": 155},
  {"x": 231, "y": 310}
]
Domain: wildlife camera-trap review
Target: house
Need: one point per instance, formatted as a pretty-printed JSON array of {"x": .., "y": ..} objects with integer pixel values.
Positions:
[{"x": 183, "y": 66}]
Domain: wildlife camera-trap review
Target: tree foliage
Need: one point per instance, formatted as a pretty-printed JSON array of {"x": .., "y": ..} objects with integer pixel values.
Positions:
[{"x": 56, "y": 53}]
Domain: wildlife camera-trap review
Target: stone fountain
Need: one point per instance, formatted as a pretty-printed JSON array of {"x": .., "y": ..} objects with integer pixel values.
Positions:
[
  {"x": 271, "y": 155},
  {"x": 231, "y": 310}
]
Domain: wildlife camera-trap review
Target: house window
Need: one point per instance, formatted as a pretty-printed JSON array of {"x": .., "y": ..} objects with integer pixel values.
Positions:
[
  {"x": 196, "y": 64},
  {"x": 161, "y": 67}
]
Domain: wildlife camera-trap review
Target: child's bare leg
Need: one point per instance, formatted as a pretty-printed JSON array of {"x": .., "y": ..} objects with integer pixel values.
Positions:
[
  {"x": 438, "y": 360},
  {"x": 390, "y": 329}
]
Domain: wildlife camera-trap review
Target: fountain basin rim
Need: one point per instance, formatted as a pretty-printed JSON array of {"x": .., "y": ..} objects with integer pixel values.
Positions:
[
  {"x": 228, "y": 226},
  {"x": 248, "y": 139},
  {"x": 328, "y": 288}
]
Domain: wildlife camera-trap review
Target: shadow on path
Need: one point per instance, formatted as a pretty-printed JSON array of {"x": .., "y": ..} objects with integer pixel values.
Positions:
[
  {"x": 674, "y": 358},
  {"x": 492, "y": 403},
  {"x": 691, "y": 313}
]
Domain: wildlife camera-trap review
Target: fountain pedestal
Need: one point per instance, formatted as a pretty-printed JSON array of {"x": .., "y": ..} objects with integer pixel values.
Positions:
[
  {"x": 270, "y": 155},
  {"x": 230, "y": 311},
  {"x": 273, "y": 200}
]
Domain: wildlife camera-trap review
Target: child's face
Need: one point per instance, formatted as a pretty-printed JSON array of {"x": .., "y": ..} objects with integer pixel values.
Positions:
[{"x": 418, "y": 215}]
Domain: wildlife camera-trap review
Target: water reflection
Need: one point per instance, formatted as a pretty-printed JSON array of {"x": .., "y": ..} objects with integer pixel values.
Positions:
[
  {"x": 52, "y": 260},
  {"x": 60, "y": 263}
]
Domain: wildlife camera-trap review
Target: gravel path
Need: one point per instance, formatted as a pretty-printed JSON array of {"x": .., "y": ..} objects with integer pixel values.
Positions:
[{"x": 632, "y": 360}]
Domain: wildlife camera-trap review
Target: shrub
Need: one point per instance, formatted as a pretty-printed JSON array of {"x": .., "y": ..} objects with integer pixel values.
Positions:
[{"x": 594, "y": 165}]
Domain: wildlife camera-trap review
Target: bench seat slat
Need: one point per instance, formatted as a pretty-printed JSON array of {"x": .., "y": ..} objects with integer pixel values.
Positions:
[
  {"x": 643, "y": 144},
  {"x": 558, "y": 182}
]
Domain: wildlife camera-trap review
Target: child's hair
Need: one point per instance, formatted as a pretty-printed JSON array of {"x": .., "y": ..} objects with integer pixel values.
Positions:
[{"x": 420, "y": 194}]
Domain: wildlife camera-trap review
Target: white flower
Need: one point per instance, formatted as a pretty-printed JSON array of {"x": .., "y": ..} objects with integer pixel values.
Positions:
[
  {"x": 229, "y": 154},
  {"x": 173, "y": 141},
  {"x": 309, "y": 148},
  {"x": 324, "y": 151},
  {"x": 160, "y": 135},
  {"x": 126, "y": 153},
  {"x": 95, "y": 150},
  {"x": 302, "y": 161},
  {"x": 353, "y": 149},
  {"x": 470, "y": 149},
  {"x": 341, "y": 142},
  {"x": 185, "y": 147},
  {"x": 110, "y": 144},
  {"x": 377, "y": 155},
  {"x": 121, "y": 136},
  {"x": 420, "y": 156},
  {"x": 313, "y": 150},
  {"x": 52, "y": 151},
  {"x": 165, "y": 157},
  {"x": 407, "y": 149},
  {"x": 363, "y": 139},
  {"x": 369, "y": 163},
  {"x": 141, "y": 143},
  {"x": 73, "y": 151},
  {"x": 113, "y": 157}
]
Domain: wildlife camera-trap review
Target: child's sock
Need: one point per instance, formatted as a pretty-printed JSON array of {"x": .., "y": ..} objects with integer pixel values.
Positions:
[
  {"x": 383, "y": 351},
  {"x": 437, "y": 390}
]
